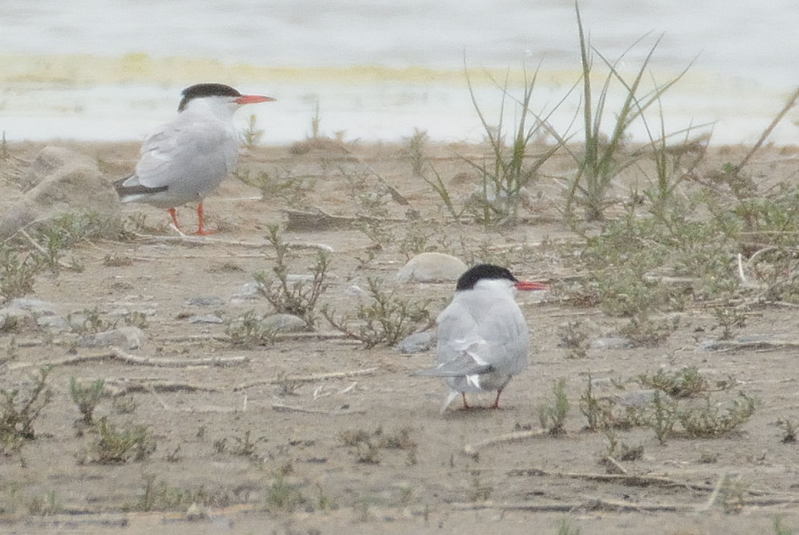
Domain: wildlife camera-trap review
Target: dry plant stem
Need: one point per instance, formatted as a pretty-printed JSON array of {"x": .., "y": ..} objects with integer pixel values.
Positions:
[
  {"x": 119, "y": 387},
  {"x": 619, "y": 469},
  {"x": 628, "y": 479},
  {"x": 474, "y": 449},
  {"x": 590, "y": 504},
  {"x": 39, "y": 247},
  {"x": 193, "y": 240},
  {"x": 711, "y": 501},
  {"x": 279, "y": 407},
  {"x": 321, "y": 220},
  {"x": 192, "y": 338},
  {"x": 306, "y": 378},
  {"x": 118, "y": 354},
  {"x": 788, "y": 105},
  {"x": 757, "y": 345}
]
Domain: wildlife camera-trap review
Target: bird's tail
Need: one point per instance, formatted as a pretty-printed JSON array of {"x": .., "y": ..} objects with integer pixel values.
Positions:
[
  {"x": 129, "y": 188},
  {"x": 450, "y": 397}
]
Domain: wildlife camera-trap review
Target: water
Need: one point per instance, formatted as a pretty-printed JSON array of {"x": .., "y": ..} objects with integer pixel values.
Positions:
[{"x": 95, "y": 70}]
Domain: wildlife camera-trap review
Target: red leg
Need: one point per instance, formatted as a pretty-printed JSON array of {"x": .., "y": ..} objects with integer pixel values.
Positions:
[
  {"x": 174, "y": 214},
  {"x": 496, "y": 401},
  {"x": 201, "y": 230},
  {"x": 465, "y": 405}
]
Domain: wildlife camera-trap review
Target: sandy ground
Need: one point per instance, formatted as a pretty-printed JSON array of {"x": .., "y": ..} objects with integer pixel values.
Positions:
[{"x": 526, "y": 486}]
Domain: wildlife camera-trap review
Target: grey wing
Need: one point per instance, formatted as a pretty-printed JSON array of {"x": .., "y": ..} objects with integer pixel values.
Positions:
[
  {"x": 181, "y": 150},
  {"x": 498, "y": 339}
]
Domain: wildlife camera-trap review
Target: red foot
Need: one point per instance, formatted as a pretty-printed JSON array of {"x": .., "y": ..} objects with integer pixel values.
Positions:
[
  {"x": 201, "y": 230},
  {"x": 174, "y": 214}
]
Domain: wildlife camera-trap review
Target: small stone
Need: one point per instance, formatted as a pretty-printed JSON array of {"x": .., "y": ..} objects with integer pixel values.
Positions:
[
  {"x": 127, "y": 337},
  {"x": 431, "y": 267},
  {"x": 14, "y": 318},
  {"x": 37, "y": 307},
  {"x": 284, "y": 323},
  {"x": 55, "y": 323},
  {"x": 612, "y": 342},
  {"x": 196, "y": 512},
  {"x": 205, "y": 301},
  {"x": 247, "y": 292},
  {"x": 417, "y": 342},
  {"x": 206, "y": 318}
]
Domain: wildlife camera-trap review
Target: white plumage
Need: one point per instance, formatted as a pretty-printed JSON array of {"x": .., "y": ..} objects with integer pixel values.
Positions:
[
  {"x": 186, "y": 159},
  {"x": 483, "y": 339}
]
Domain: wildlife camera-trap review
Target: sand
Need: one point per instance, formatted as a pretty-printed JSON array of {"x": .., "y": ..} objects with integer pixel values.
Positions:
[{"x": 234, "y": 448}]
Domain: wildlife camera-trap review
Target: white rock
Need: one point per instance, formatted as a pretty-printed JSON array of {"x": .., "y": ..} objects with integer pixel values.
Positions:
[
  {"x": 417, "y": 342},
  {"x": 284, "y": 323},
  {"x": 431, "y": 267},
  {"x": 127, "y": 337}
]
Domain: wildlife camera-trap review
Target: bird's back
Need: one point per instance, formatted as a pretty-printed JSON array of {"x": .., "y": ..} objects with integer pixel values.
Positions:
[
  {"x": 489, "y": 326},
  {"x": 182, "y": 161}
]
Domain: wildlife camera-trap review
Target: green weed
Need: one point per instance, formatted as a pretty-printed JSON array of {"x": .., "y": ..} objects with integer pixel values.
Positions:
[
  {"x": 86, "y": 397},
  {"x": 19, "y": 410},
  {"x": 119, "y": 445},
  {"x": 552, "y": 415},
  {"x": 298, "y": 297},
  {"x": 386, "y": 318}
]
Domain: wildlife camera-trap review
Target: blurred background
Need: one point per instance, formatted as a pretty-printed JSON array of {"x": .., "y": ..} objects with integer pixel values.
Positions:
[{"x": 97, "y": 70}]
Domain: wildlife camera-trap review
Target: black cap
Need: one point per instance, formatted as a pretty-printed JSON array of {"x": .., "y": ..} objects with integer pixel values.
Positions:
[
  {"x": 483, "y": 271},
  {"x": 206, "y": 90}
]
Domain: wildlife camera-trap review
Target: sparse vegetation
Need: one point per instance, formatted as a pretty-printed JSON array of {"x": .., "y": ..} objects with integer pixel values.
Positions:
[
  {"x": 385, "y": 318},
  {"x": 296, "y": 296},
  {"x": 507, "y": 171},
  {"x": 19, "y": 410},
  {"x": 574, "y": 337},
  {"x": 694, "y": 261},
  {"x": 121, "y": 444},
  {"x": 603, "y": 159},
  {"x": 86, "y": 397},
  {"x": 552, "y": 415},
  {"x": 367, "y": 445},
  {"x": 415, "y": 150},
  {"x": 252, "y": 134},
  {"x": 250, "y": 331}
]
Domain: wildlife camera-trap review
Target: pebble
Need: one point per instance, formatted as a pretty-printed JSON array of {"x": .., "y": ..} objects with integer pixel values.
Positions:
[
  {"x": 205, "y": 301},
  {"x": 417, "y": 342},
  {"x": 206, "y": 318},
  {"x": 55, "y": 323},
  {"x": 247, "y": 292},
  {"x": 127, "y": 337},
  {"x": 612, "y": 342},
  {"x": 37, "y": 307},
  {"x": 284, "y": 323},
  {"x": 431, "y": 267}
]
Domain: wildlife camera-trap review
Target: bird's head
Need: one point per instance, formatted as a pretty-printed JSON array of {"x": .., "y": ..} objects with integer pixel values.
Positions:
[
  {"x": 489, "y": 274},
  {"x": 217, "y": 96}
]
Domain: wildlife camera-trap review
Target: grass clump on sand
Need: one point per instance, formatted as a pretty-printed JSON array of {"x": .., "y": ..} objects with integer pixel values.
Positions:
[
  {"x": 384, "y": 318},
  {"x": 121, "y": 444},
  {"x": 292, "y": 295},
  {"x": 19, "y": 410}
]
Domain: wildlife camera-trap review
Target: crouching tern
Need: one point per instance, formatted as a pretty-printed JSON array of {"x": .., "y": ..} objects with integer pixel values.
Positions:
[
  {"x": 483, "y": 338},
  {"x": 186, "y": 159}
]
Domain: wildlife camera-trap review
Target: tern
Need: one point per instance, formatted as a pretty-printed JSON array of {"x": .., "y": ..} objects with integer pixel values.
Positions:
[
  {"x": 483, "y": 337},
  {"x": 186, "y": 159}
]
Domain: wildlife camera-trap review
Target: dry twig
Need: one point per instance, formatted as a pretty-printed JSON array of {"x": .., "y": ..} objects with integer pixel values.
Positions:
[{"x": 306, "y": 378}]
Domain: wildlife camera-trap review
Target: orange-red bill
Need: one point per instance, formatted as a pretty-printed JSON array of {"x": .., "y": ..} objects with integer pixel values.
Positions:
[
  {"x": 529, "y": 286},
  {"x": 253, "y": 99}
]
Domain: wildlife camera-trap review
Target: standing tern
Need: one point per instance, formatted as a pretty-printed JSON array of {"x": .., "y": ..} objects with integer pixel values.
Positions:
[
  {"x": 482, "y": 335},
  {"x": 186, "y": 159}
]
